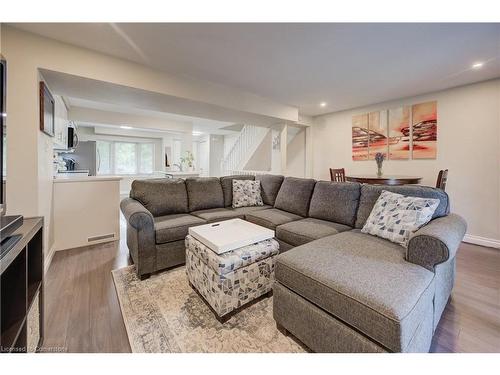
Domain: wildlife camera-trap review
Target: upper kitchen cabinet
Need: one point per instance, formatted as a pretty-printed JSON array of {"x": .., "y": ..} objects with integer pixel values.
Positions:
[{"x": 61, "y": 124}]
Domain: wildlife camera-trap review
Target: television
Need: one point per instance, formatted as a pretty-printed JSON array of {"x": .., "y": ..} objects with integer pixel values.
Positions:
[
  {"x": 8, "y": 224},
  {"x": 3, "y": 132}
]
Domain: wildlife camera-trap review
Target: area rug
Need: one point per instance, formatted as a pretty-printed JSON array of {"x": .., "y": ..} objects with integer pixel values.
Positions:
[{"x": 164, "y": 315}]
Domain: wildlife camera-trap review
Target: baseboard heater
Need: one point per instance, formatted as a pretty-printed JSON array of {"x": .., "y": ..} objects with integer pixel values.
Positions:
[{"x": 103, "y": 237}]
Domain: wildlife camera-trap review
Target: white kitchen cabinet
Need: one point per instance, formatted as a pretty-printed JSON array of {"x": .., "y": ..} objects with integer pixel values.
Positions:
[{"x": 61, "y": 124}]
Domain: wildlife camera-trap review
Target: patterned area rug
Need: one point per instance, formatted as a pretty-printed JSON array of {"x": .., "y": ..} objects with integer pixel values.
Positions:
[{"x": 164, "y": 315}]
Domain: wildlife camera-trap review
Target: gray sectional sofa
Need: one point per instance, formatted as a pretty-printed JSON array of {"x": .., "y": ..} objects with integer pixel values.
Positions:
[{"x": 336, "y": 289}]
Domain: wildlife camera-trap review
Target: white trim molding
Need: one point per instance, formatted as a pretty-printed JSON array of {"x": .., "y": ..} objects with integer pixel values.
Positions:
[
  {"x": 48, "y": 259},
  {"x": 482, "y": 241}
]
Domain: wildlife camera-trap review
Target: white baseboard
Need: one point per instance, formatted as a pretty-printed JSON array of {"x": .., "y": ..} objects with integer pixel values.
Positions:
[
  {"x": 48, "y": 259},
  {"x": 482, "y": 241}
]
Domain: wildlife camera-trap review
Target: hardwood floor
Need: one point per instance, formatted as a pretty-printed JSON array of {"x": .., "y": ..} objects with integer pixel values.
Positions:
[
  {"x": 82, "y": 310},
  {"x": 83, "y": 314},
  {"x": 471, "y": 321}
]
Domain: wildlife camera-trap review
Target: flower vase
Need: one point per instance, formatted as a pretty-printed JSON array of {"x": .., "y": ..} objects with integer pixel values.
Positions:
[{"x": 379, "y": 171}]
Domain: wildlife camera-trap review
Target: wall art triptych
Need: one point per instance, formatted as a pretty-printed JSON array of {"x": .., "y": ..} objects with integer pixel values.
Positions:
[{"x": 397, "y": 132}]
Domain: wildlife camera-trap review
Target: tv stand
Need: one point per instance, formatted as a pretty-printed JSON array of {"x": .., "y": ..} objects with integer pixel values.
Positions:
[
  {"x": 21, "y": 297},
  {"x": 9, "y": 224}
]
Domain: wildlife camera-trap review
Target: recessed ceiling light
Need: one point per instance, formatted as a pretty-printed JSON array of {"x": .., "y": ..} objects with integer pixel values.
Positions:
[
  {"x": 197, "y": 133},
  {"x": 125, "y": 127},
  {"x": 322, "y": 104},
  {"x": 477, "y": 65}
]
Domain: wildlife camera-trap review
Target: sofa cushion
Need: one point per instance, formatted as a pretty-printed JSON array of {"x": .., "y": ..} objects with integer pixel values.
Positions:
[
  {"x": 370, "y": 194},
  {"x": 161, "y": 196},
  {"x": 246, "y": 210},
  {"x": 227, "y": 187},
  {"x": 271, "y": 218},
  {"x": 204, "y": 193},
  {"x": 306, "y": 230},
  {"x": 335, "y": 201},
  {"x": 363, "y": 281},
  {"x": 294, "y": 195},
  {"x": 171, "y": 228},
  {"x": 269, "y": 186},
  {"x": 395, "y": 217},
  {"x": 246, "y": 194},
  {"x": 218, "y": 214}
]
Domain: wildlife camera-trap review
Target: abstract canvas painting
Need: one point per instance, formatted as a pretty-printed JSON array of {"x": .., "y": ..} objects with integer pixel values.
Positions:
[
  {"x": 396, "y": 132},
  {"x": 424, "y": 130},
  {"x": 399, "y": 133},
  {"x": 360, "y": 137},
  {"x": 377, "y": 133}
]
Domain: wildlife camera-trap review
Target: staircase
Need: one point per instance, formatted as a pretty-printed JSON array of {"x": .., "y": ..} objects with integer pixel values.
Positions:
[{"x": 246, "y": 144}]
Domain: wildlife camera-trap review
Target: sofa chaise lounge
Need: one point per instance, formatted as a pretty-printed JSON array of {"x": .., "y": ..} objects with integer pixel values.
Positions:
[{"x": 336, "y": 289}]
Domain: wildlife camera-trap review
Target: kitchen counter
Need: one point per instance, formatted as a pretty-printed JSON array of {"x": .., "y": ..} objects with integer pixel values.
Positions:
[
  {"x": 180, "y": 174},
  {"x": 62, "y": 179},
  {"x": 86, "y": 210}
]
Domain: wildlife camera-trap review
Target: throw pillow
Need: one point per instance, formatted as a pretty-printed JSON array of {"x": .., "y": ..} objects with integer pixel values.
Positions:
[
  {"x": 395, "y": 217},
  {"x": 246, "y": 193}
]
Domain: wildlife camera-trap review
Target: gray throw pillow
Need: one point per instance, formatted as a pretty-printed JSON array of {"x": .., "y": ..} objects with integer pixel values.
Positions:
[
  {"x": 246, "y": 193},
  {"x": 395, "y": 217}
]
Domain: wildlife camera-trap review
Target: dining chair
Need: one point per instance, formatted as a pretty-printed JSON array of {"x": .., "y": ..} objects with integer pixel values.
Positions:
[
  {"x": 442, "y": 179},
  {"x": 337, "y": 175}
]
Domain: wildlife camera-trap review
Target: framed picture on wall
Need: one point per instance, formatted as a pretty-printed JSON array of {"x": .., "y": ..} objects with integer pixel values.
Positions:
[{"x": 47, "y": 110}]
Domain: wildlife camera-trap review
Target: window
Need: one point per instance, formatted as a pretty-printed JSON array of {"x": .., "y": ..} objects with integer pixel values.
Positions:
[
  {"x": 146, "y": 158},
  {"x": 124, "y": 158}
]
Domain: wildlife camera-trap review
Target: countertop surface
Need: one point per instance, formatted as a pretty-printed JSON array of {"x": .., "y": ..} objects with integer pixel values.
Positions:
[
  {"x": 66, "y": 179},
  {"x": 180, "y": 173}
]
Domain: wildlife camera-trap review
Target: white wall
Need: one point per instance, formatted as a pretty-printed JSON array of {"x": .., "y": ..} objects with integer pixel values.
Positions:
[
  {"x": 201, "y": 154},
  {"x": 216, "y": 152},
  {"x": 296, "y": 153},
  {"x": 468, "y": 145},
  {"x": 261, "y": 160}
]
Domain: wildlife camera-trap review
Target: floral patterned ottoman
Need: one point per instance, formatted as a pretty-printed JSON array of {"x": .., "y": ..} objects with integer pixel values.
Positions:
[{"x": 230, "y": 280}]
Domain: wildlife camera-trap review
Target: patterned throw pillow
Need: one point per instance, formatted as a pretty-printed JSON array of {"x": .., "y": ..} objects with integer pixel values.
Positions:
[
  {"x": 395, "y": 217},
  {"x": 246, "y": 193}
]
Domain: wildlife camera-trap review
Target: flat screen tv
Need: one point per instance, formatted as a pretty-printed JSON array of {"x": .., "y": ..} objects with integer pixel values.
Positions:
[{"x": 3, "y": 133}]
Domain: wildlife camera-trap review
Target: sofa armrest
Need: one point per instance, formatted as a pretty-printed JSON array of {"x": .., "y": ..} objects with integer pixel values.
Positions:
[
  {"x": 140, "y": 236},
  {"x": 136, "y": 214},
  {"x": 436, "y": 242}
]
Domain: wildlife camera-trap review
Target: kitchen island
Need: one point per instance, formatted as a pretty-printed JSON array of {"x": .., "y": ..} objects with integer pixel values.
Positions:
[{"x": 86, "y": 210}]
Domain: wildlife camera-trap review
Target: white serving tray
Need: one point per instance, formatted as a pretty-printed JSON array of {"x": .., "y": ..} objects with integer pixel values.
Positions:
[{"x": 228, "y": 235}]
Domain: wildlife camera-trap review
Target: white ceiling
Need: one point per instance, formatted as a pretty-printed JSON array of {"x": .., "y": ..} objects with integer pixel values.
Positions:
[
  {"x": 200, "y": 125},
  {"x": 344, "y": 65},
  {"x": 100, "y": 94}
]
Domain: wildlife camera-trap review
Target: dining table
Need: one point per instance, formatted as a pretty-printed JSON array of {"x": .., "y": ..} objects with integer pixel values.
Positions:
[{"x": 384, "y": 179}]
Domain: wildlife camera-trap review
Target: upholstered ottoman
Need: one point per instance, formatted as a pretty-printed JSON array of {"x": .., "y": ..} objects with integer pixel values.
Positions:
[{"x": 230, "y": 280}]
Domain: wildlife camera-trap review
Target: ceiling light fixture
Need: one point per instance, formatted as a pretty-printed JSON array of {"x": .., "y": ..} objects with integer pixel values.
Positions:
[
  {"x": 125, "y": 127},
  {"x": 322, "y": 104},
  {"x": 477, "y": 65},
  {"x": 197, "y": 133}
]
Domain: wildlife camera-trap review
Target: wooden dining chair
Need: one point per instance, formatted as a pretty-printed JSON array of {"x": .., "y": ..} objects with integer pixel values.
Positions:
[
  {"x": 337, "y": 175},
  {"x": 442, "y": 179}
]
